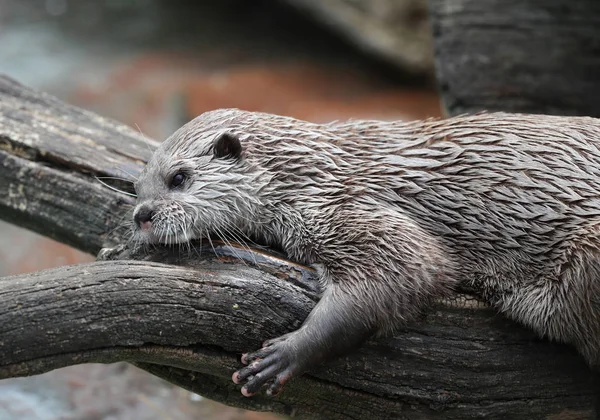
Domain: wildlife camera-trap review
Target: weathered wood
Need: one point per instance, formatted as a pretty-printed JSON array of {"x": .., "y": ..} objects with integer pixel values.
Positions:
[
  {"x": 538, "y": 56},
  {"x": 457, "y": 363},
  {"x": 49, "y": 154},
  {"x": 189, "y": 322}
]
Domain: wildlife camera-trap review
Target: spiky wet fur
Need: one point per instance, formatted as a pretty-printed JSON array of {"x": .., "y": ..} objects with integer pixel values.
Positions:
[{"x": 393, "y": 214}]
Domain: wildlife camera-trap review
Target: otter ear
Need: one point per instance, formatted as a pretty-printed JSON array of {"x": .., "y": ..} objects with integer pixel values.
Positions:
[{"x": 227, "y": 145}]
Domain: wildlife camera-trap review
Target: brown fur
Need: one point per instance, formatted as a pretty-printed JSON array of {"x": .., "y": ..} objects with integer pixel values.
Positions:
[{"x": 394, "y": 214}]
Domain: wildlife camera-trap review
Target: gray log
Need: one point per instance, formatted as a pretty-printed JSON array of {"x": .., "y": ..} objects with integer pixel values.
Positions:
[
  {"x": 188, "y": 323},
  {"x": 538, "y": 56}
]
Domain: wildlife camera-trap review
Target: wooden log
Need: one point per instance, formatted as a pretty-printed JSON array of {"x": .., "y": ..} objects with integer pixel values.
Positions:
[
  {"x": 50, "y": 153},
  {"x": 187, "y": 316},
  {"x": 536, "y": 56}
]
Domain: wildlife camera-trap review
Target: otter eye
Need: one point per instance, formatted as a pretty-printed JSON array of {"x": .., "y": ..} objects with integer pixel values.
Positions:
[{"x": 177, "y": 179}]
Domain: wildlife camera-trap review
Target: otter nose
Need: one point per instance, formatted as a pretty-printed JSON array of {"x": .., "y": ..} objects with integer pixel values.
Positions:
[{"x": 143, "y": 217}]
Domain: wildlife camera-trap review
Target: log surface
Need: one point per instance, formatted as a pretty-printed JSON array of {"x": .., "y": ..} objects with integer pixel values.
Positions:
[
  {"x": 536, "y": 56},
  {"x": 186, "y": 316}
]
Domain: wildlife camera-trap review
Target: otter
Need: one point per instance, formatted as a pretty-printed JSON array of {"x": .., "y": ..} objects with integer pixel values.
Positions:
[{"x": 393, "y": 215}]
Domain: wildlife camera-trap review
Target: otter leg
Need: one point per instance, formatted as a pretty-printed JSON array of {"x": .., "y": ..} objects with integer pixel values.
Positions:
[
  {"x": 379, "y": 269},
  {"x": 329, "y": 329}
]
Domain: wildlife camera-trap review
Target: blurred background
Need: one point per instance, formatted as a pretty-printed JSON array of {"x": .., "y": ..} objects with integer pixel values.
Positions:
[{"x": 155, "y": 64}]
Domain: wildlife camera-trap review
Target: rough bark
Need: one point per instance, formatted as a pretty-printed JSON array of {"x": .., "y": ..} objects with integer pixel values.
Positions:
[
  {"x": 538, "y": 56},
  {"x": 186, "y": 316}
]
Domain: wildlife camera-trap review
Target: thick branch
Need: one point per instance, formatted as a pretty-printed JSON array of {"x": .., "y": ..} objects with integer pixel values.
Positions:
[
  {"x": 188, "y": 323},
  {"x": 457, "y": 363}
]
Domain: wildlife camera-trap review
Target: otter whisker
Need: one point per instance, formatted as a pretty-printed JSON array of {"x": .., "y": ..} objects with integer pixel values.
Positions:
[
  {"x": 210, "y": 242},
  {"x": 110, "y": 187},
  {"x": 170, "y": 233},
  {"x": 115, "y": 177},
  {"x": 233, "y": 249},
  {"x": 188, "y": 241},
  {"x": 124, "y": 222},
  {"x": 244, "y": 235},
  {"x": 243, "y": 243},
  {"x": 144, "y": 138},
  {"x": 129, "y": 174},
  {"x": 190, "y": 228},
  {"x": 162, "y": 232}
]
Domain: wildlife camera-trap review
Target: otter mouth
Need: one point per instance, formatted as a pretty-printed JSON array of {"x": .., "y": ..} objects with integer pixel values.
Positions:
[
  {"x": 163, "y": 223},
  {"x": 165, "y": 237},
  {"x": 154, "y": 232}
]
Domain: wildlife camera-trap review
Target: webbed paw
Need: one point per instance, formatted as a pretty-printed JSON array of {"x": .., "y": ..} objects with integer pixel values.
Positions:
[{"x": 274, "y": 364}]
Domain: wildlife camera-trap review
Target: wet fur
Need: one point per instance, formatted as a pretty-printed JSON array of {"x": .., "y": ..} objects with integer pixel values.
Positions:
[{"x": 394, "y": 214}]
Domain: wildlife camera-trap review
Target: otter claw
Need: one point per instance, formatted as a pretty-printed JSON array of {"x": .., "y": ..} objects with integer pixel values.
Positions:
[
  {"x": 246, "y": 393},
  {"x": 269, "y": 365},
  {"x": 235, "y": 377},
  {"x": 255, "y": 382},
  {"x": 246, "y": 373},
  {"x": 278, "y": 384}
]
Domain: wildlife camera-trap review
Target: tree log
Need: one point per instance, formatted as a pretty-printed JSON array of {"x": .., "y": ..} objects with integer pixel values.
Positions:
[
  {"x": 186, "y": 316},
  {"x": 537, "y": 56}
]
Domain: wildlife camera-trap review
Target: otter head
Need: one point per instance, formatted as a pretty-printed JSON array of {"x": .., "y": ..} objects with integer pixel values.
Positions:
[{"x": 196, "y": 183}]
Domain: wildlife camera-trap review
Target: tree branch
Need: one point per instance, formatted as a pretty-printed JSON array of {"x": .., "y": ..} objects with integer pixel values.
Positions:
[{"x": 186, "y": 316}]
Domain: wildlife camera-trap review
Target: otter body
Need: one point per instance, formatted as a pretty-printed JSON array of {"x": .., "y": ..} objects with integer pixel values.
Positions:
[{"x": 393, "y": 215}]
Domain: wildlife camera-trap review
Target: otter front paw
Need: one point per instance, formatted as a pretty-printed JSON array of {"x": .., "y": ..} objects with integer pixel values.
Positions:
[{"x": 274, "y": 364}]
